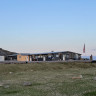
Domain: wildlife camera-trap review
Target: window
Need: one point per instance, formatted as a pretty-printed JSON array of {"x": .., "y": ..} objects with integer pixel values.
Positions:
[
  {"x": 57, "y": 55},
  {"x": 49, "y": 56}
]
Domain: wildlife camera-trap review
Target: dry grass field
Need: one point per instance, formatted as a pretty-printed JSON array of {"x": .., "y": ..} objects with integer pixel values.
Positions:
[{"x": 48, "y": 79}]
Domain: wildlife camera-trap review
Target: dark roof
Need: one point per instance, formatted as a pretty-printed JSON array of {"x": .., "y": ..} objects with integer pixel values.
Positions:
[
  {"x": 45, "y": 53},
  {"x": 13, "y": 54}
]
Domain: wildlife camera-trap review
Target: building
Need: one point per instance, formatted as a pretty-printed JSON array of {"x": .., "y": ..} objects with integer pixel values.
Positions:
[
  {"x": 2, "y": 58},
  {"x": 48, "y": 56}
]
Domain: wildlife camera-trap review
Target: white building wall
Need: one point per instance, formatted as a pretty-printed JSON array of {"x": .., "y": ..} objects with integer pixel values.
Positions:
[
  {"x": 64, "y": 57},
  {"x": 2, "y": 58},
  {"x": 44, "y": 58},
  {"x": 76, "y": 56}
]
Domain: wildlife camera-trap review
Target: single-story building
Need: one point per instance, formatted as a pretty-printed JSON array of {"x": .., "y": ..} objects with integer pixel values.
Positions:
[{"x": 48, "y": 56}]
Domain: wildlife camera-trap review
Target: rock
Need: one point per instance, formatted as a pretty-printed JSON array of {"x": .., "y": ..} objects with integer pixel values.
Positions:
[
  {"x": 10, "y": 72},
  {"x": 81, "y": 76},
  {"x": 95, "y": 78},
  {"x": 78, "y": 77},
  {"x": 27, "y": 84},
  {"x": 1, "y": 84},
  {"x": 6, "y": 86}
]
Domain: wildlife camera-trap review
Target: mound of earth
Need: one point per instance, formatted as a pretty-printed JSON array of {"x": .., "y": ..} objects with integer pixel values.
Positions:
[{"x": 5, "y": 52}]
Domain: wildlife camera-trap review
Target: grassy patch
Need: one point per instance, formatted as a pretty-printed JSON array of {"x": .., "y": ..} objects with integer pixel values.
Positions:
[
  {"x": 48, "y": 79},
  {"x": 90, "y": 93},
  {"x": 9, "y": 92}
]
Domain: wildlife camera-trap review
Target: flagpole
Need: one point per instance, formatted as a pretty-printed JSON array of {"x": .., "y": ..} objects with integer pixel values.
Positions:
[{"x": 84, "y": 52}]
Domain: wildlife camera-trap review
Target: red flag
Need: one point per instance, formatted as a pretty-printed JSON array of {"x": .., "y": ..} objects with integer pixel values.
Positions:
[{"x": 84, "y": 49}]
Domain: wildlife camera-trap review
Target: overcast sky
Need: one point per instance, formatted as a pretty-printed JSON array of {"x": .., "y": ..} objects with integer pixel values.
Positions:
[{"x": 32, "y": 26}]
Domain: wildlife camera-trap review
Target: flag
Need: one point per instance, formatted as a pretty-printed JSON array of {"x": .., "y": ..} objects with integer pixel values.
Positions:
[{"x": 84, "y": 49}]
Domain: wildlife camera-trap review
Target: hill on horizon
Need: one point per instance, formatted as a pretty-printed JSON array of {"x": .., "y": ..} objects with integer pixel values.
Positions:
[
  {"x": 94, "y": 57},
  {"x": 5, "y": 52}
]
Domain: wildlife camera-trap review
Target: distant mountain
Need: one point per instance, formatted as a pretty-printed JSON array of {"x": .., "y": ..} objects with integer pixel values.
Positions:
[
  {"x": 5, "y": 52},
  {"x": 94, "y": 57}
]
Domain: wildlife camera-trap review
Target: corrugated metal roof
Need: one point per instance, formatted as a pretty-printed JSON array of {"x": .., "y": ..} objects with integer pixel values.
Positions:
[
  {"x": 55, "y": 52},
  {"x": 45, "y": 53},
  {"x": 41, "y": 53}
]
